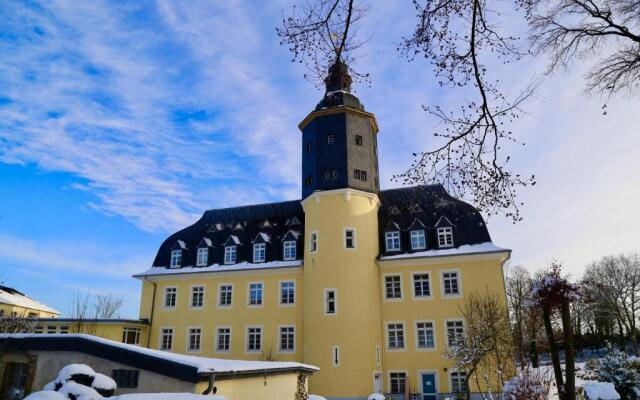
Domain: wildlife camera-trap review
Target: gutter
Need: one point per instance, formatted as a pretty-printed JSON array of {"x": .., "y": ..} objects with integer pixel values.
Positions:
[
  {"x": 384, "y": 259},
  {"x": 153, "y": 303}
]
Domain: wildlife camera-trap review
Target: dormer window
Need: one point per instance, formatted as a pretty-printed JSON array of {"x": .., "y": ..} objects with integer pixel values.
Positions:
[
  {"x": 259, "y": 252},
  {"x": 418, "y": 241},
  {"x": 176, "y": 258},
  {"x": 331, "y": 139},
  {"x": 392, "y": 240},
  {"x": 230, "y": 253},
  {"x": 289, "y": 250},
  {"x": 202, "y": 257},
  {"x": 445, "y": 237}
]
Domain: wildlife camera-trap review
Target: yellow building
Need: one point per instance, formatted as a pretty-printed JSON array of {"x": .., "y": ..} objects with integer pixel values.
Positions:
[
  {"x": 17, "y": 304},
  {"x": 364, "y": 283},
  {"x": 129, "y": 331}
]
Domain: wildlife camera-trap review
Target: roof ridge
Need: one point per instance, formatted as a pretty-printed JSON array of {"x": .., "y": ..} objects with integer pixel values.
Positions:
[{"x": 252, "y": 205}]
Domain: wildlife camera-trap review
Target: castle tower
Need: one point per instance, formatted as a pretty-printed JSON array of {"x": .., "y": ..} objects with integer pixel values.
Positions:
[{"x": 341, "y": 279}]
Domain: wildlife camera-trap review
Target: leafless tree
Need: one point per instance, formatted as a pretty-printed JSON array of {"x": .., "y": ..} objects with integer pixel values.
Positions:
[
  {"x": 106, "y": 305},
  {"x": 17, "y": 323},
  {"x": 518, "y": 287},
  {"x": 85, "y": 309}
]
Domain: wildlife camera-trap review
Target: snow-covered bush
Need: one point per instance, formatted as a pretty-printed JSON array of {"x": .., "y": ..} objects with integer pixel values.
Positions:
[
  {"x": 528, "y": 385},
  {"x": 376, "y": 396},
  {"x": 600, "y": 391},
  {"x": 616, "y": 368},
  {"x": 77, "y": 382},
  {"x": 315, "y": 397},
  {"x": 46, "y": 395}
]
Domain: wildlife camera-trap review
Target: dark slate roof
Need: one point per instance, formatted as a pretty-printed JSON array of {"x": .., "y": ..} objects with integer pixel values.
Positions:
[
  {"x": 245, "y": 223},
  {"x": 398, "y": 208}
]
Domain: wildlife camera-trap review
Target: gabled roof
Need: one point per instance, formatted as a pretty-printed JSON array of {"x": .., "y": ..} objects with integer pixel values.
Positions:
[
  {"x": 205, "y": 242},
  {"x": 291, "y": 235},
  {"x": 416, "y": 224},
  {"x": 443, "y": 221},
  {"x": 179, "y": 245},
  {"x": 232, "y": 240},
  {"x": 16, "y": 298},
  {"x": 261, "y": 237}
]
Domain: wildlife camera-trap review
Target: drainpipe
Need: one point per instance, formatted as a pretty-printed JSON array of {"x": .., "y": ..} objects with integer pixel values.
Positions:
[
  {"x": 153, "y": 303},
  {"x": 212, "y": 381}
]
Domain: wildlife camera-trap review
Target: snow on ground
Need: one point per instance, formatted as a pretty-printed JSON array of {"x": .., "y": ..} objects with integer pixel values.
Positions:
[
  {"x": 600, "y": 391},
  {"x": 203, "y": 364},
  {"x": 316, "y": 397},
  {"x": 486, "y": 247},
  {"x": 46, "y": 395},
  {"x": 164, "y": 396}
]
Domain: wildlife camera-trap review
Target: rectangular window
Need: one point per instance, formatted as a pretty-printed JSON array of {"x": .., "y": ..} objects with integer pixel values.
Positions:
[
  {"x": 393, "y": 287},
  {"x": 259, "y": 252},
  {"x": 287, "y": 338},
  {"x": 203, "y": 257},
  {"x": 398, "y": 382},
  {"x": 230, "y": 254},
  {"x": 455, "y": 332},
  {"x": 225, "y": 295},
  {"x": 287, "y": 292},
  {"x": 289, "y": 250},
  {"x": 418, "y": 241},
  {"x": 359, "y": 174},
  {"x": 166, "y": 339},
  {"x": 52, "y": 329},
  {"x": 421, "y": 285},
  {"x": 126, "y": 378},
  {"x": 176, "y": 258},
  {"x": 15, "y": 380},
  {"x": 395, "y": 336},
  {"x": 195, "y": 335},
  {"x": 38, "y": 329},
  {"x": 313, "y": 242},
  {"x": 331, "y": 139},
  {"x": 308, "y": 181},
  {"x": 197, "y": 297},
  {"x": 170, "y": 296},
  {"x": 254, "y": 339},
  {"x": 358, "y": 140},
  {"x": 425, "y": 335},
  {"x": 131, "y": 335},
  {"x": 308, "y": 148},
  {"x": 349, "y": 238},
  {"x": 64, "y": 329},
  {"x": 458, "y": 382},
  {"x": 330, "y": 301},
  {"x": 336, "y": 356},
  {"x": 392, "y": 240},
  {"x": 223, "y": 339},
  {"x": 445, "y": 237},
  {"x": 450, "y": 283},
  {"x": 255, "y": 294}
]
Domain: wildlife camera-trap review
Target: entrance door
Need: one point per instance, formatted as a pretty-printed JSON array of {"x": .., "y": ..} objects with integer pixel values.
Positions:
[
  {"x": 377, "y": 382},
  {"x": 429, "y": 386}
]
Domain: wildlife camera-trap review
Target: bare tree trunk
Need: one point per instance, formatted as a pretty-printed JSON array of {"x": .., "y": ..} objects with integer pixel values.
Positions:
[
  {"x": 553, "y": 349},
  {"x": 569, "y": 352}
]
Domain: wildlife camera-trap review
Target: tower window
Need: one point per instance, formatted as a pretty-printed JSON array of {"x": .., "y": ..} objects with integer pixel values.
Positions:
[
  {"x": 313, "y": 242},
  {"x": 308, "y": 148},
  {"x": 358, "y": 140},
  {"x": 331, "y": 139},
  {"x": 308, "y": 181},
  {"x": 330, "y": 301},
  {"x": 360, "y": 175},
  {"x": 349, "y": 238},
  {"x": 331, "y": 174}
]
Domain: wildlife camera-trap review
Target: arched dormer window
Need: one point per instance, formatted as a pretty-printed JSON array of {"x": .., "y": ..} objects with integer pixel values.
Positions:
[
  {"x": 444, "y": 230},
  {"x": 176, "y": 254}
]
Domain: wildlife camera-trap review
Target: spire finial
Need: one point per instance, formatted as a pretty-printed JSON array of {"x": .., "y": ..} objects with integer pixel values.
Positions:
[{"x": 338, "y": 78}]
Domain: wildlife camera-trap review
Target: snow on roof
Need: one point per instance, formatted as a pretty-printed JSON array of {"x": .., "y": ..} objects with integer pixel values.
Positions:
[
  {"x": 15, "y": 298},
  {"x": 153, "y": 271},
  {"x": 486, "y": 247},
  {"x": 204, "y": 365},
  {"x": 207, "y": 241}
]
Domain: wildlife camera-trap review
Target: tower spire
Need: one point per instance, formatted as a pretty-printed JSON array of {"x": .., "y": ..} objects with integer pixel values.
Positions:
[{"x": 338, "y": 78}]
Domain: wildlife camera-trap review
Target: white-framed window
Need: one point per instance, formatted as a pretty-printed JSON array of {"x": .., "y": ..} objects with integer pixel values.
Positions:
[
  {"x": 254, "y": 339},
  {"x": 425, "y": 335},
  {"x": 166, "y": 338},
  {"x": 287, "y": 339},
  {"x": 421, "y": 284},
  {"x": 445, "y": 237},
  {"x": 197, "y": 296},
  {"x": 392, "y": 287},
  {"x": 395, "y": 335},
  {"x": 170, "y": 298},
  {"x": 349, "y": 238},
  {"x": 450, "y": 283},
  {"x": 287, "y": 292},
  {"x": 392, "y": 240},
  {"x": 458, "y": 382},
  {"x": 289, "y": 250},
  {"x": 336, "y": 356},
  {"x": 397, "y": 382},
  {"x": 259, "y": 252},
  {"x": 313, "y": 241},
  {"x": 202, "y": 258},
  {"x": 130, "y": 335},
  {"x": 230, "y": 253},
  {"x": 194, "y": 337},
  {"x": 330, "y": 301},
  {"x": 176, "y": 258},
  {"x": 255, "y": 294},
  {"x": 455, "y": 332},
  {"x": 225, "y": 295},
  {"x": 418, "y": 240},
  {"x": 223, "y": 339}
]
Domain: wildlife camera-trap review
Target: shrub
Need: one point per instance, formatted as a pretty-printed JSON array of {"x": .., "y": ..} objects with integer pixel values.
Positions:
[
  {"x": 528, "y": 385},
  {"x": 615, "y": 367}
]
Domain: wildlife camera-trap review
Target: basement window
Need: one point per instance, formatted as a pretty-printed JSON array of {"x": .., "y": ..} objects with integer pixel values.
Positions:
[{"x": 126, "y": 378}]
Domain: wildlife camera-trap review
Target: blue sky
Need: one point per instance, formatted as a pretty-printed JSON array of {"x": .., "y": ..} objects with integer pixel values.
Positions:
[{"x": 121, "y": 122}]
